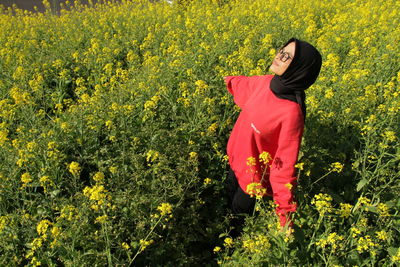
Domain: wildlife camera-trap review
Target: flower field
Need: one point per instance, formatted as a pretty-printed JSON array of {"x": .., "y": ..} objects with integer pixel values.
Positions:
[{"x": 114, "y": 120}]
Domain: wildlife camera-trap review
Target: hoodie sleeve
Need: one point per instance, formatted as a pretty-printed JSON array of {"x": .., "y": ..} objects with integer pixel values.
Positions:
[
  {"x": 241, "y": 87},
  {"x": 282, "y": 171}
]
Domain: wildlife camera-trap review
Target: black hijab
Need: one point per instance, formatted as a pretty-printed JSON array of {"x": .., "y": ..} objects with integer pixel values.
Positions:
[{"x": 301, "y": 74}]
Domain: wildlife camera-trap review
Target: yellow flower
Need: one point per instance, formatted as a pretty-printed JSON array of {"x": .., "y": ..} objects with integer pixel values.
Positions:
[
  {"x": 213, "y": 127},
  {"x": 74, "y": 168},
  {"x": 396, "y": 258},
  {"x": 217, "y": 249},
  {"x": 383, "y": 210},
  {"x": 64, "y": 74},
  {"x": 152, "y": 155},
  {"x": 3, "y": 137},
  {"x": 329, "y": 93},
  {"x": 257, "y": 244},
  {"x": 333, "y": 239},
  {"x": 51, "y": 145},
  {"x": 299, "y": 166},
  {"x": 165, "y": 209},
  {"x": 144, "y": 244},
  {"x": 68, "y": 212},
  {"x": 3, "y": 222},
  {"x": 200, "y": 86},
  {"x": 98, "y": 177},
  {"x": 97, "y": 193},
  {"x": 113, "y": 169},
  {"x": 43, "y": 226},
  {"x": 289, "y": 186},
  {"x": 64, "y": 126},
  {"x": 364, "y": 201},
  {"x": 35, "y": 262},
  {"x": 336, "y": 167},
  {"x": 355, "y": 231},
  {"x": 256, "y": 190},
  {"x": 207, "y": 181},
  {"x": 108, "y": 68},
  {"x": 37, "y": 243},
  {"x": 101, "y": 219},
  {"x": 265, "y": 157},
  {"x": 382, "y": 235},
  {"x": 228, "y": 242},
  {"x": 322, "y": 203},
  {"x": 251, "y": 161},
  {"x": 193, "y": 155},
  {"x": 272, "y": 52},
  {"x": 152, "y": 103},
  {"x": 322, "y": 243},
  {"x": 365, "y": 244},
  {"x": 55, "y": 231},
  {"x": 345, "y": 210},
  {"x": 363, "y": 222},
  {"x": 109, "y": 124},
  {"x": 45, "y": 181},
  {"x": 31, "y": 146},
  {"x": 125, "y": 246},
  {"x": 26, "y": 178},
  {"x": 19, "y": 96},
  {"x": 371, "y": 119}
]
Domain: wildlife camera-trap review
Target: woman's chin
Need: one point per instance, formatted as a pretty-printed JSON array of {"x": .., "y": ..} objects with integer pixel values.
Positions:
[{"x": 272, "y": 69}]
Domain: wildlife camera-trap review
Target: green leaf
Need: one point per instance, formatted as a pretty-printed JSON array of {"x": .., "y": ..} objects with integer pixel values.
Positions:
[
  {"x": 392, "y": 251},
  {"x": 373, "y": 209},
  {"x": 54, "y": 193},
  {"x": 361, "y": 184},
  {"x": 356, "y": 164},
  {"x": 222, "y": 235}
]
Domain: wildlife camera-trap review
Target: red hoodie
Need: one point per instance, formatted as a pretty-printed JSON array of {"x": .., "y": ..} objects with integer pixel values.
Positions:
[{"x": 265, "y": 123}]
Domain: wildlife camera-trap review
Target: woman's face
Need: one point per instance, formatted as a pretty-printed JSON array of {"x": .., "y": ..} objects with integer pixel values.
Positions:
[{"x": 283, "y": 59}]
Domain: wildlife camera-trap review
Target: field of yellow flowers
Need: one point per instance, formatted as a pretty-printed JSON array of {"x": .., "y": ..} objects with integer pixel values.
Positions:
[{"x": 114, "y": 120}]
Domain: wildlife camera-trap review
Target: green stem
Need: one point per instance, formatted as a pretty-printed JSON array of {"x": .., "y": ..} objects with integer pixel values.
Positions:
[
  {"x": 321, "y": 178},
  {"x": 105, "y": 232},
  {"x": 147, "y": 236},
  {"x": 315, "y": 231}
]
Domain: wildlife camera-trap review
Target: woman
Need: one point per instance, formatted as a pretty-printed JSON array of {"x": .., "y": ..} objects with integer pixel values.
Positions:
[{"x": 270, "y": 123}]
